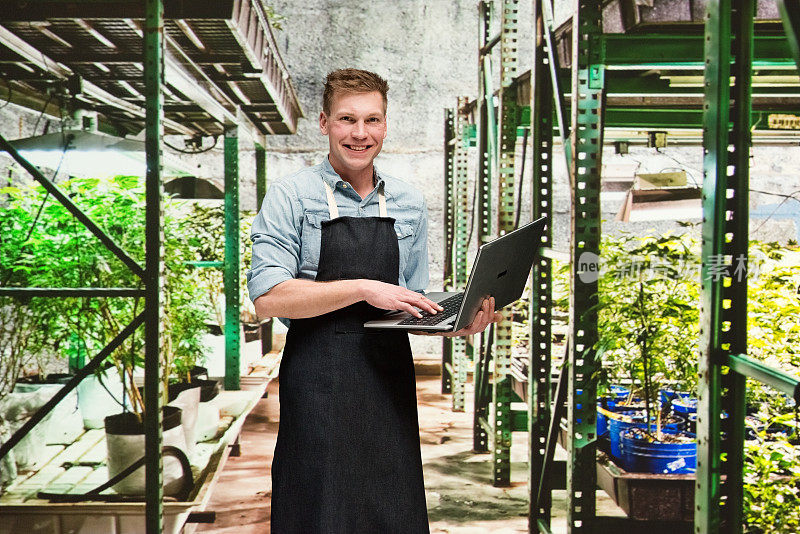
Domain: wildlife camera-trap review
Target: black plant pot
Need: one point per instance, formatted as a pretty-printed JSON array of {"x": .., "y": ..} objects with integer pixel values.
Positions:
[
  {"x": 209, "y": 389},
  {"x": 128, "y": 424},
  {"x": 198, "y": 372}
]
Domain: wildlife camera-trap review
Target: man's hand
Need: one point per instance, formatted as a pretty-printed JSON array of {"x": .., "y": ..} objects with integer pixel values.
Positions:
[
  {"x": 483, "y": 318},
  {"x": 393, "y": 297}
]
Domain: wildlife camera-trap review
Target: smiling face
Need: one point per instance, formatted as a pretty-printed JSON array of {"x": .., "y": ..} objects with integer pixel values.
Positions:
[{"x": 356, "y": 128}]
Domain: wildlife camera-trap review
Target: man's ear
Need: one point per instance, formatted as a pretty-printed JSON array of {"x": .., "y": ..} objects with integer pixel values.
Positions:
[
  {"x": 385, "y": 125},
  {"x": 323, "y": 123}
]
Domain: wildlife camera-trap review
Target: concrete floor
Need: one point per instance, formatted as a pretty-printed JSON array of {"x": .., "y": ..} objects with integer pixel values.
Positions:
[{"x": 461, "y": 499}]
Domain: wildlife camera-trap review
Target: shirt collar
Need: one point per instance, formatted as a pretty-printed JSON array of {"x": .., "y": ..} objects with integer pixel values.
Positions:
[{"x": 333, "y": 179}]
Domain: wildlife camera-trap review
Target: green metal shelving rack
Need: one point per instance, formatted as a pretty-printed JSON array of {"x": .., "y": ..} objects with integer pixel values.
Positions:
[
  {"x": 286, "y": 108},
  {"x": 601, "y": 67}
]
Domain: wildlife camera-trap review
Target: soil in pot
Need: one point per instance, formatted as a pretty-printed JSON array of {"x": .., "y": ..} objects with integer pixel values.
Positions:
[
  {"x": 623, "y": 421},
  {"x": 125, "y": 445}
]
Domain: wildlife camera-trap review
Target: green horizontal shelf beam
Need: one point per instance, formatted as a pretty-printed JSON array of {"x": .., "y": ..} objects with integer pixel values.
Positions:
[
  {"x": 71, "y": 292},
  {"x": 784, "y": 382},
  {"x": 650, "y": 118},
  {"x": 206, "y": 264},
  {"x": 660, "y": 49}
]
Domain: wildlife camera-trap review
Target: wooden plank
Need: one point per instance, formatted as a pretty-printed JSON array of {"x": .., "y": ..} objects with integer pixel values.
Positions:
[{"x": 68, "y": 479}]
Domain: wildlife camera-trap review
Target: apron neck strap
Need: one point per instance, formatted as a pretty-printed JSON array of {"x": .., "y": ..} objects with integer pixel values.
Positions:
[{"x": 333, "y": 209}]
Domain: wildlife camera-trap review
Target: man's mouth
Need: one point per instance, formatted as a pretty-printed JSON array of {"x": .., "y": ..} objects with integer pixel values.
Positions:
[{"x": 358, "y": 148}]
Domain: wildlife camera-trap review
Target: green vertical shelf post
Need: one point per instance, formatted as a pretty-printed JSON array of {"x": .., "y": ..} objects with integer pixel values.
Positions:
[
  {"x": 480, "y": 437},
  {"x": 502, "y": 393},
  {"x": 460, "y": 174},
  {"x": 450, "y": 141},
  {"x": 154, "y": 265},
  {"x": 232, "y": 258},
  {"x": 539, "y": 364},
  {"x": 583, "y": 365},
  {"x": 726, "y": 142}
]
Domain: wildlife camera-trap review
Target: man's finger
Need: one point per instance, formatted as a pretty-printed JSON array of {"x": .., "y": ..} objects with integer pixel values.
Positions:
[{"x": 409, "y": 308}]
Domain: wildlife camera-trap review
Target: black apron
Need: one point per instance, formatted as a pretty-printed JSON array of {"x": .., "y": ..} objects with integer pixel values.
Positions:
[{"x": 347, "y": 458}]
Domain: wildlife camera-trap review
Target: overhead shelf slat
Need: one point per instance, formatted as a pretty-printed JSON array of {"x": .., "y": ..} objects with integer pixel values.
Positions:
[{"x": 222, "y": 57}]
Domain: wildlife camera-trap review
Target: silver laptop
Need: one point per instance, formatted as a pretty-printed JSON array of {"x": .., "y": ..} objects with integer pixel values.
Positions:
[{"x": 500, "y": 271}]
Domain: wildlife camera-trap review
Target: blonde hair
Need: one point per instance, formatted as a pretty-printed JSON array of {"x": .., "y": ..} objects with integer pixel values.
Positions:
[{"x": 352, "y": 81}]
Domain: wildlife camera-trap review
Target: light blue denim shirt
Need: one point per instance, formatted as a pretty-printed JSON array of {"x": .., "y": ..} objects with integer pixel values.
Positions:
[{"x": 286, "y": 232}]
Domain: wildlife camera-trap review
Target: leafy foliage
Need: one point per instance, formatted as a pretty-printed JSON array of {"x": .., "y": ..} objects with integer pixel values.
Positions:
[
  {"x": 56, "y": 250},
  {"x": 648, "y": 311},
  {"x": 771, "y": 487}
]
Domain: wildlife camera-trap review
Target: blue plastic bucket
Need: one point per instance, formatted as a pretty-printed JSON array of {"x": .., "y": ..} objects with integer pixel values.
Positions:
[
  {"x": 642, "y": 456},
  {"x": 607, "y": 407},
  {"x": 619, "y": 392},
  {"x": 616, "y": 427},
  {"x": 683, "y": 405}
]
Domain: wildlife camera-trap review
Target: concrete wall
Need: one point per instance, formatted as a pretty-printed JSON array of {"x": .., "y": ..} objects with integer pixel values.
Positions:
[{"x": 427, "y": 50}]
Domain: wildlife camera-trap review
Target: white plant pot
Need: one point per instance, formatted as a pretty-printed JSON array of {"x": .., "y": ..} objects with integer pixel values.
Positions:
[
  {"x": 100, "y": 396},
  {"x": 188, "y": 401},
  {"x": 64, "y": 423},
  {"x": 207, "y": 421},
  {"x": 126, "y": 446}
]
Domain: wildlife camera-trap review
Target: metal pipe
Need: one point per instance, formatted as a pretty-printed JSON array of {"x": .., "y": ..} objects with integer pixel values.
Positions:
[
  {"x": 784, "y": 382},
  {"x": 154, "y": 114},
  {"x": 487, "y": 48}
]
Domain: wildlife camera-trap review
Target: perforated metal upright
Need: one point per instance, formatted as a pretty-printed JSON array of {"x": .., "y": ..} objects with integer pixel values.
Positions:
[
  {"x": 586, "y": 140},
  {"x": 154, "y": 265},
  {"x": 541, "y": 287},
  {"x": 502, "y": 394},
  {"x": 726, "y": 142},
  {"x": 450, "y": 141},
  {"x": 487, "y": 139},
  {"x": 460, "y": 244}
]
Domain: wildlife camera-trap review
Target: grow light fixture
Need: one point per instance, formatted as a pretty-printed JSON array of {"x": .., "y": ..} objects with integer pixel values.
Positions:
[
  {"x": 661, "y": 196},
  {"x": 93, "y": 154}
]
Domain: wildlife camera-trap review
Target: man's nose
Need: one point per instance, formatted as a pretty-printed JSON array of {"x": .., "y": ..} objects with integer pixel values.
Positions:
[{"x": 360, "y": 130}]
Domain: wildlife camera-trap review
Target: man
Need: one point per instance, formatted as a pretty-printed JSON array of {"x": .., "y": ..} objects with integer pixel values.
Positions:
[{"x": 333, "y": 246}]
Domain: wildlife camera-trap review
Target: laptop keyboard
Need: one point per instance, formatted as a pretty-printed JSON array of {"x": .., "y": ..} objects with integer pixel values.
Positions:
[{"x": 451, "y": 306}]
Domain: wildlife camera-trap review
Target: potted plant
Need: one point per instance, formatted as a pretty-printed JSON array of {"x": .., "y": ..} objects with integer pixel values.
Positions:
[
  {"x": 648, "y": 328},
  {"x": 57, "y": 251}
]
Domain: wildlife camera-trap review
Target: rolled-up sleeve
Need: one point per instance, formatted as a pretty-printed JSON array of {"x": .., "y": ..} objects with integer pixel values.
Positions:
[
  {"x": 276, "y": 241},
  {"x": 416, "y": 270}
]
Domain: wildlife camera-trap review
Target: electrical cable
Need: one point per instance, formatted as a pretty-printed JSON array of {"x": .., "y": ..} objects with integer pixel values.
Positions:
[
  {"x": 201, "y": 151},
  {"x": 41, "y": 114}
]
